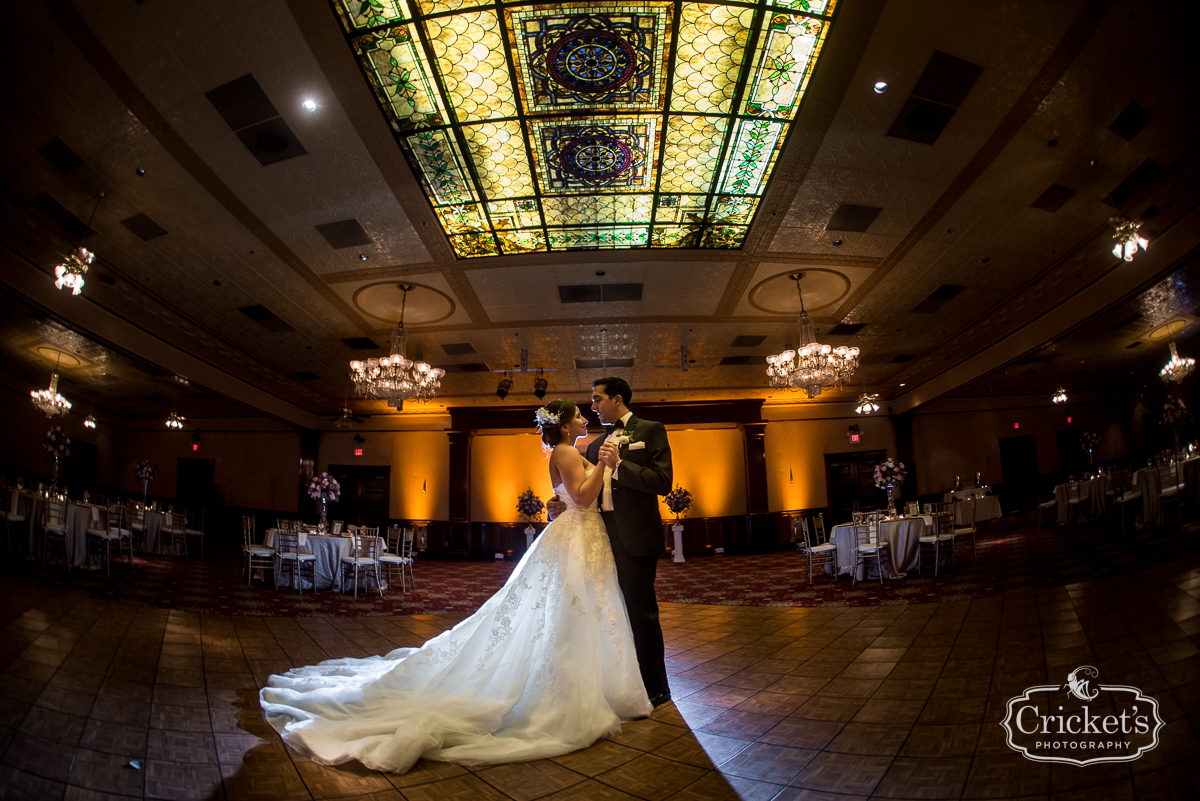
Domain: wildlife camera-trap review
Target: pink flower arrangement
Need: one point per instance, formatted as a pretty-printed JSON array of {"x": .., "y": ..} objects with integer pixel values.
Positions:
[
  {"x": 324, "y": 487},
  {"x": 530, "y": 505},
  {"x": 889, "y": 471},
  {"x": 57, "y": 443}
]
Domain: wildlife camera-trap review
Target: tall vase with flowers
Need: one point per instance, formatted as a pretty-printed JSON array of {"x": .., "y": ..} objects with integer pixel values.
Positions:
[
  {"x": 1176, "y": 415},
  {"x": 888, "y": 474},
  {"x": 1089, "y": 441},
  {"x": 57, "y": 445},
  {"x": 324, "y": 488},
  {"x": 530, "y": 507},
  {"x": 145, "y": 474},
  {"x": 678, "y": 501}
]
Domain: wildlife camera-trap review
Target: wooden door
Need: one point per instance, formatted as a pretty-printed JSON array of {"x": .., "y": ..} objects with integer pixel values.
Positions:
[
  {"x": 851, "y": 480},
  {"x": 365, "y": 491}
]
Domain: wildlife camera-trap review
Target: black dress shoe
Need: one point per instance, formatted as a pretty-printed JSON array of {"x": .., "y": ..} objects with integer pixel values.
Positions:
[{"x": 659, "y": 700}]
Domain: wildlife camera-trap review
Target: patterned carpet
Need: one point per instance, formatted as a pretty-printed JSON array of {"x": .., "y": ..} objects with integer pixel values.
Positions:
[{"x": 1013, "y": 557}]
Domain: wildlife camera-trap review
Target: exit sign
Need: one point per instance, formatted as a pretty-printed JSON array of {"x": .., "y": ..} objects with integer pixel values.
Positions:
[
  {"x": 855, "y": 437},
  {"x": 358, "y": 451},
  {"x": 195, "y": 446}
]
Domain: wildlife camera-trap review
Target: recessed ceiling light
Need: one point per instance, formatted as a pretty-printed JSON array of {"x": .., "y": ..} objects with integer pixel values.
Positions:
[
  {"x": 362, "y": 256},
  {"x": 901, "y": 385},
  {"x": 880, "y": 87},
  {"x": 837, "y": 243},
  {"x": 310, "y": 105},
  {"x": 140, "y": 172}
]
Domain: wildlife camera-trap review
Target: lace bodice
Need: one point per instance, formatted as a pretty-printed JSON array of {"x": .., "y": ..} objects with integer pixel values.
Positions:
[{"x": 565, "y": 497}]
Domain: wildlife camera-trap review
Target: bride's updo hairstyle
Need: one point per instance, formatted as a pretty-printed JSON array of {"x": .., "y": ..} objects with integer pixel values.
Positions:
[{"x": 561, "y": 410}]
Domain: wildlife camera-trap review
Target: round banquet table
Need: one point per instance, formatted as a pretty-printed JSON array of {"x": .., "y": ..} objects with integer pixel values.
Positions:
[
  {"x": 153, "y": 542},
  {"x": 329, "y": 552},
  {"x": 903, "y": 537},
  {"x": 987, "y": 507},
  {"x": 80, "y": 517}
]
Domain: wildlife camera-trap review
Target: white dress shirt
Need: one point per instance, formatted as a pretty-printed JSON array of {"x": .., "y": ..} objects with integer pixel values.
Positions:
[{"x": 606, "y": 502}]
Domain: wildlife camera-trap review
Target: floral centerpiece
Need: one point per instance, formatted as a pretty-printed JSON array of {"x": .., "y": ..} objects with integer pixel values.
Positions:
[
  {"x": 1089, "y": 440},
  {"x": 144, "y": 472},
  {"x": 58, "y": 446},
  {"x": 324, "y": 488},
  {"x": 678, "y": 501},
  {"x": 530, "y": 506},
  {"x": 1174, "y": 413},
  {"x": 889, "y": 473}
]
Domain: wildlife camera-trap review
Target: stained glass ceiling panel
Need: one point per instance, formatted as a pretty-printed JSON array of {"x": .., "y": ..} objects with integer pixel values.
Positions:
[{"x": 580, "y": 126}]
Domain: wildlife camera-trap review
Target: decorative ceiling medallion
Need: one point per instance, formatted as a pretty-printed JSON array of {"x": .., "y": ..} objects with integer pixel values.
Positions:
[
  {"x": 516, "y": 116},
  {"x": 386, "y": 301},
  {"x": 777, "y": 294}
]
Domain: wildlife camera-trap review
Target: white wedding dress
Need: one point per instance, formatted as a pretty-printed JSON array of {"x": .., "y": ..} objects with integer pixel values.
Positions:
[{"x": 545, "y": 667}]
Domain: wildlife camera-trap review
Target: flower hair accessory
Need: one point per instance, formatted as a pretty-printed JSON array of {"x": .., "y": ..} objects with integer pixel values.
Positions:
[{"x": 545, "y": 417}]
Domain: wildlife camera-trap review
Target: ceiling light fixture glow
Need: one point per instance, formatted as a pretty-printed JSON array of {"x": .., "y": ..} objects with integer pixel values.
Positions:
[
  {"x": 175, "y": 421},
  {"x": 89, "y": 421},
  {"x": 867, "y": 404},
  {"x": 813, "y": 366},
  {"x": 1176, "y": 369},
  {"x": 310, "y": 105},
  {"x": 1059, "y": 396},
  {"x": 70, "y": 273},
  {"x": 49, "y": 401},
  {"x": 396, "y": 377},
  {"x": 1127, "y": 238},
  {"x": 880, "y": 87}
]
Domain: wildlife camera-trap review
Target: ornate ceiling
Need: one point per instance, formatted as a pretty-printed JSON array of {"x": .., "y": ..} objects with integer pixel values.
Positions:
[
  {"x": 260, "y": 207},
  {"x": 568, "y": 126}
]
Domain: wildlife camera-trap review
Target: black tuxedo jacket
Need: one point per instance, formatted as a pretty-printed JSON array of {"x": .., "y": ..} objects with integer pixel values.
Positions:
[{"x": 644, "y": 474}]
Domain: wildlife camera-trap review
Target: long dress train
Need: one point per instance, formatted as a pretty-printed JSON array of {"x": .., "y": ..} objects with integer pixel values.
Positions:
[{"x": 546, "y": 666}]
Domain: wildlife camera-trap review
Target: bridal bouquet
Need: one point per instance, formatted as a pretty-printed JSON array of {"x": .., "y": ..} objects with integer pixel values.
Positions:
[
  {"x": 1088, "y": 440},
  {"x": 145, "y": 471},
  {"x": 324, "y": 487},
  {"x": 530, "y": 505},
  {"x": 678, "y": 501},
  {"x": 889, "y": 471},
  {"x": 1174, "y": 412},
  {"x": 57, "y": 443}
]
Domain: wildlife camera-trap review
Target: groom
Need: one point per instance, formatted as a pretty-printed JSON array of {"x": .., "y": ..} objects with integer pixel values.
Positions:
[{"x": 639, "y": 456}]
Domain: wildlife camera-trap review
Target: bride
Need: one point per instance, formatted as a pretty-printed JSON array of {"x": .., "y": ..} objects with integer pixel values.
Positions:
[{"x": 546, "y": 666}]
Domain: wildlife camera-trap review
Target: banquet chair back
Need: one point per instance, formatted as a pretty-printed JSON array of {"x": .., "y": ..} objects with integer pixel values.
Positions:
[
  {"x": 399, "y": 555},
  {"x": 258, "y": 556},
  {"x": 174, "y": 532},
  {"x": 968, "y": 527},
  {"x": 940, "y": 535},
  {"x": 819, "y": 528},
  {"x": 867, "y": 545},
  {"x": 295, "y": 558},
  {"x": 817, "y": 555},
  {"x": 54, "y": 526},
  {"x": 114, "y": 532},
  {"x": 363, "y": 558}
]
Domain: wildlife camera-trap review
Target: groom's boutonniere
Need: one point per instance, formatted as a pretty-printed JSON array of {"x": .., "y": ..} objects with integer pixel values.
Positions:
[{"x": 619, "y": 440}]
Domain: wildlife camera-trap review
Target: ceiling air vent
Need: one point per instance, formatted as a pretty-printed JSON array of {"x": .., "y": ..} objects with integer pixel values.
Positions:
[
  {"x": 938, "y": 298},
  {"x": 360, "y": 343},
  {"x": 458, "y": 349},
  {"x": 61, "y": 157},
  {"x": 1130, "y": 122},
  {"x": 59, "y": 215},
  {"x": 846, "y": 329},
  {"x": 734, "y": 360},
  {"x": 305, "y": 376},
  {"x": 747, "y": 341},
  {"x": 597, "y": 293},
  {"x": 852, "y": 218},
  {"x": 156, "y": 398},
  {"x": 345, "y": 234},
  {"x": 266, "y": 318},
  {"x": 901, "y": 359},
  {"x": 469, "y": 367},
  {"x": 1053, "y": 198},
  {"x": 249, "y": 112},
  {"x": 939, "y": 92},
  {"x": 144, "y": 227}
]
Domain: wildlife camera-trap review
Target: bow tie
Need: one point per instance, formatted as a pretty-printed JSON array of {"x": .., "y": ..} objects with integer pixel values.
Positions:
[{"x": 617, "y": 425}]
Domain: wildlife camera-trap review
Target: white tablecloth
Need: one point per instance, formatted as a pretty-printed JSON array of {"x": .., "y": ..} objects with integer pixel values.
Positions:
[
  {"x": 153, "y": 542},
  {"x": 987, "y": 507},
  {"x": 962, "y": 495},
  {"x": 1093, "y": 499},
  {"x": 903, "y": 536},
  {"x": 329, "y": 552},
  {"x": 80, "y": 517}
]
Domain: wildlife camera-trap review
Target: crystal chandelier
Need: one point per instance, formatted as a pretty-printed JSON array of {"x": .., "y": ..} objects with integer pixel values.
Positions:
[
  {"x": 396, "y": 377},
  {"x": 175, "y": 422},
  {"x": 866, "y": 404},
  {"x": 49, "y": 401},
  {"x": 70, "y": 272},
  {"x": 1176, "y": 369},
  {"x": 1059, "y": 396},
  {"x": 1125, "y": 234},
  {"x": 813, "y": 366},
  {"x": 89, "y": 421}
]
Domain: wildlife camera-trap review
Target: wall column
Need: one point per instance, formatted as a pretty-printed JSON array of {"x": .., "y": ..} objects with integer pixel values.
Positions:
[
  {"x": 756, "y": 468},
  {"x": 460, "y": 476}
]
